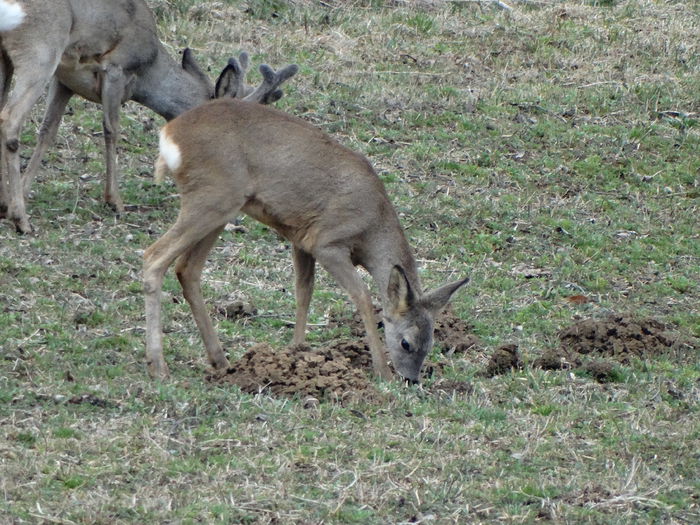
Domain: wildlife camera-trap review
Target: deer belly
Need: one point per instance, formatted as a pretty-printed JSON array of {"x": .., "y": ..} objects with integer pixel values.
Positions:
[
  {"x": 300, "y": 232},
  {"x": 82, "y": 79}
]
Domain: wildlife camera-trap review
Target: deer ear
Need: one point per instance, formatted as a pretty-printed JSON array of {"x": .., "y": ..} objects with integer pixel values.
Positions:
[
  {"x": 190, "y": 65},
  {"x": 437, "y": 299},
  {"x": 231, "y": 81},
  {"x": 399, "y": 292},
  {"x": 227, "y": 83}
]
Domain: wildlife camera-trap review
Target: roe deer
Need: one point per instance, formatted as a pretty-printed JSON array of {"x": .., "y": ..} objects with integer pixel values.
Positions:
[
  {"x": 106, "y": 51},
  {"x": 229, "y": 156}
]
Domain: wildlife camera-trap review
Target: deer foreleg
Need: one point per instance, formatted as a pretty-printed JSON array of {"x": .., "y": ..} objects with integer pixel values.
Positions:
[
  {"x": 304, "y": 266},
  {"x": 113, "y": 84},
  {"x": 339, "y": 265}
]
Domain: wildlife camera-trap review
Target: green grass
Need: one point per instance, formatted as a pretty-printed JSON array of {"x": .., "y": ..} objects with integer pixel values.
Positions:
[{"x": 559, "y": 139}]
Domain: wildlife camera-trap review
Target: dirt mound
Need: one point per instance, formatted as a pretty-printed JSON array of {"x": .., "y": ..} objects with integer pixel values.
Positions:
[
  {"x": 328, "y": 373},
  {"x": 617, "y": 337},
  {"x": 354, "y": 323},
  {"x": 453, "y": 335},
  {"x": 504, "y": 359},
  {"x": 601, "y": 371},
  {"x": 339, "y": 371},
  {"x": 556, "y": 359},
  {"x": 356, "y": 352}
]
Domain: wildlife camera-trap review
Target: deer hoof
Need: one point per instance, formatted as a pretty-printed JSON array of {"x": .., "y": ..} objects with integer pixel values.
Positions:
[
  {"x": 220, "y": 364},
  {"x": 158, "y": 371},
  {"x": 22, "y": 226},
  {"x": 117, "y": 206}
]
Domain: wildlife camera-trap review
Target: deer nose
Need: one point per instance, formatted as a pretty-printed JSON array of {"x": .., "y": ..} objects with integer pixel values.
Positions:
[{"x": 411, "y": 381}]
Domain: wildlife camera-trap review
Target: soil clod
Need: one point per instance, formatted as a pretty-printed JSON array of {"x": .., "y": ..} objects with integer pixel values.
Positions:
[
  {"x": 237, "y": 310},
  {"x": 300, "y": 370},
  {"x": 617, "y": 337},
  {"x": 601, "y": 371},
  {"x": 453, "y": 335},
  {"x": 450, "y": 386},
  {"x": 503, "y": 360}
]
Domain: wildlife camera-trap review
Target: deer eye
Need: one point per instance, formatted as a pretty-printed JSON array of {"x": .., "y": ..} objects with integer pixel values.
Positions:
[{"x": 405, "y": 345}]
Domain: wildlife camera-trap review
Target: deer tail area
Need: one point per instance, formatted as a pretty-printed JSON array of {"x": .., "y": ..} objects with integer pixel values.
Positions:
[
  {"x": 169, "y": 157},
  {"x": 11, "y": 15}
]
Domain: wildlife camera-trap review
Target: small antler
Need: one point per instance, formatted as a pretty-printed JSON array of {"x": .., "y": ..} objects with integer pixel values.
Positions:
[
  {"x": 267, "y": 91},
  {"x": 231, "y": 82}
]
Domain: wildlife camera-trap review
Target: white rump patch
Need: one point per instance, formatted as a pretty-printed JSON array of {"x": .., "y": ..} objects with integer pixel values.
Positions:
[
  {"x": 169, "y": 151},
  {"x": 11, "y": 15}
]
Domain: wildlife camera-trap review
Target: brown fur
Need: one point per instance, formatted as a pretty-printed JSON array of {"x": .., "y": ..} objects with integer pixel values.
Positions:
[{"x": 324, "y": 198}]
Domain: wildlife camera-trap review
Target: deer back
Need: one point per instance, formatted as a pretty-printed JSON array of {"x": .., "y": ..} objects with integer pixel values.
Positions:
[{"x": 295, "y": 178}]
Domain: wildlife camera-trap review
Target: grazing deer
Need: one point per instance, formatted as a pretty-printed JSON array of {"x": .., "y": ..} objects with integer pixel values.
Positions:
[
  {"x": 230, "y": 156},
  {"x": 106, "y": 51}
]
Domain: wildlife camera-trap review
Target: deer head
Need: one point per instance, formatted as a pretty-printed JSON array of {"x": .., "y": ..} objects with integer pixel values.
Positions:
[{"x": 408, "y": 322}]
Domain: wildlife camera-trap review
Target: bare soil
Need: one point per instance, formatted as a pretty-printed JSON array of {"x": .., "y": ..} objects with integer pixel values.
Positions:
[
  {"x": 618, "y": 338},
  {"x": 341, "y": 370},
  {"x": 453, "y": 334},
  {"x": 337, "y": 373},
  {"x": 503, "y": 360}
]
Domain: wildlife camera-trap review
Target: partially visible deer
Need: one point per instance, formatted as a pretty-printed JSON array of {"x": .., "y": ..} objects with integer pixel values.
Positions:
[
  {"x": 108, "y": 52},
  {"x": 229, "y": 156}
]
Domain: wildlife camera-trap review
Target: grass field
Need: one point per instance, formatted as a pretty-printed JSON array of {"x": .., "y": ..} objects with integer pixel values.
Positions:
[{"x": 548, "y": 152}]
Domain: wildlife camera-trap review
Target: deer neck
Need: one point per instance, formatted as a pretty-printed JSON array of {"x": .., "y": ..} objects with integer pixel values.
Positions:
[
  {"x": 168, "y": 89},
  {"x": 392, "y": 249}
]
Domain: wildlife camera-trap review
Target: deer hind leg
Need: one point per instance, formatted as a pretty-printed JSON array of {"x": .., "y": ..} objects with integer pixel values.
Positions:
[
  {"x": 193, "y": 232},
  {"x": 5, "y": 81},
  {"x": 31, "y": 79},
  {"x": 188, "y": 268},
  {"x": 58, "y": 97},
  {"x": 5, "y": 77},
  {"x": 304, "y": 269},
  {"x": 156, "y": 260},
  {"x": 337, "y": 262}
]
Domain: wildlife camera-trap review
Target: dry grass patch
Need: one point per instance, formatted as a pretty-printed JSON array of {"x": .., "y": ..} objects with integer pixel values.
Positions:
[{"x": 549, "y": 152}]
